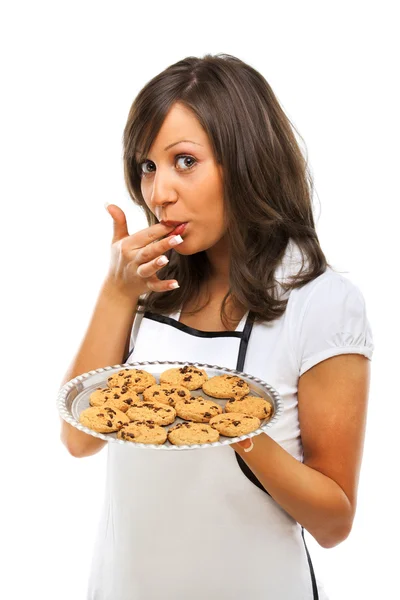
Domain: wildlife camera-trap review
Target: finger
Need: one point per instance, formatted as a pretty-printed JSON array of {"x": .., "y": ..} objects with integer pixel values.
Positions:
[
  {"x": 151, "y": 234},
  {"x": 154, "y": 251},
  {"x": 119, "y": 222},
  {"x": 156, "y": 285},
  {"x": 148, "y": 269}
]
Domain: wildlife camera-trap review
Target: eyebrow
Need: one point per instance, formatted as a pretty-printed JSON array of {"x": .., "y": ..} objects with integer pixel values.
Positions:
[
  {"x": 180, "y": 141},
  {"x": 174, "y": 144}
]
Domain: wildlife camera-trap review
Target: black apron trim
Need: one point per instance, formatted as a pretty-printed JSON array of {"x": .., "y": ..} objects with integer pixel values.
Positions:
[
  {"x": 125, "y": 360},
  {"x": 249, "y": 473},
  {"x": 239, "y": 367},
  {"x": 190, "y": 330},
  {"x": 313, "y": 580},
  {"x": 245, "y": 335}
]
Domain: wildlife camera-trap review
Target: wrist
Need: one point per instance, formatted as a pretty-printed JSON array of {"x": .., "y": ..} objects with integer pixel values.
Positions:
[{"x": 115, "y": 292}]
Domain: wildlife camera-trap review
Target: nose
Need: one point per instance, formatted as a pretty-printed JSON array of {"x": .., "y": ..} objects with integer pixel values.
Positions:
[{"x": 162, "y": 193}]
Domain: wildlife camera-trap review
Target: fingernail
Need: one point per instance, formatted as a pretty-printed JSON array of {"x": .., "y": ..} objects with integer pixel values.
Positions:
[
  {"x": 162, "y": 260},
  {"x": 173, "y": 286},
  {"x": 106, "y": 204},
  {"x": 175, "y": 240},
  {"x": 249, "y": 447}
]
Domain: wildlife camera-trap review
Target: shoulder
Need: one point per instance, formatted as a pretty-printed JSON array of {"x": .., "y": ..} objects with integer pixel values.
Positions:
[
  {"x": 327, "y": 317},
  {"x": 329, "y": 290}
]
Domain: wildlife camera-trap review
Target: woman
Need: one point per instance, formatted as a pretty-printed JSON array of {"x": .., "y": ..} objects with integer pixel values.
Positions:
[{"x": 245, "y": 286}]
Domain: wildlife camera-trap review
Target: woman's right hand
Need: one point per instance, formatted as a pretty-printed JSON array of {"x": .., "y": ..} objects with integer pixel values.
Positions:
[{"x": 133, "y": 264}]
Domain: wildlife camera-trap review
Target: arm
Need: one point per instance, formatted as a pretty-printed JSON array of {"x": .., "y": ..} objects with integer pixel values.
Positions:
[
  {"x": 105, "y": 343},
  {"x": 133, "y": 271},
  {"x": 320, "y": 493}
]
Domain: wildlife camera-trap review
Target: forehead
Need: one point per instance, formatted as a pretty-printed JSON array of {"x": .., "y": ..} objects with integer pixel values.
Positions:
[{"x": 180, "y": 124}]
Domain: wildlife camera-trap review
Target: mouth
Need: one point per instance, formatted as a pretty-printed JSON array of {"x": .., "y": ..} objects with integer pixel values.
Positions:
[
  {"x": 170, "y": 223},
  {"x": 179, "y": 227}
]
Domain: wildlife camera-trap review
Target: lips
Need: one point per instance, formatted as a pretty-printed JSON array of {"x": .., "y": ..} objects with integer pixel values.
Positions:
[
  {"x": 179, "y": 229},
  {"x": 171, "y": 223}
]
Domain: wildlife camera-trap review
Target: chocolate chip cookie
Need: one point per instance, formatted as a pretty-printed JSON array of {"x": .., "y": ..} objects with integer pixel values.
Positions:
[
  {"x": 192, "y": 433},
  {"x": 226, "y": 386},
  {"x": 188, "y": 376},
  {"x": 116, "y": 397},
  {"x": 160, "y": 413},
  {"x": 197, "y": 409},
  {"x": 250, "y": 405},
  {"x": 143, "y": 432},
  {"x": 166, "y": 393},
  {"x": 235, "y": 424},
  {"x": 103, "y": 419},
  {"x": 134, "y": 379}
]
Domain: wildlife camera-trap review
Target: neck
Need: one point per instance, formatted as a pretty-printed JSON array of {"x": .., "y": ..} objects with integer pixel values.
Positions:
[{"x": 219, "y": 258}]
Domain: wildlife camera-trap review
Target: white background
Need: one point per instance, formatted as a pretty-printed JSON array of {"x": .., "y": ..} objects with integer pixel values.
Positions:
[{"x": 69, "y": 75}]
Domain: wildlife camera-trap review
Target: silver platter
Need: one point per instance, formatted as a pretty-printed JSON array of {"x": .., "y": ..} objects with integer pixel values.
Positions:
[{"x": 73, "y": 398}]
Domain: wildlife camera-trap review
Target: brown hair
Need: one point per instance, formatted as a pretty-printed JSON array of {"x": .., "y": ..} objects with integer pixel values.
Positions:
[{"x": 267, "y": 185}]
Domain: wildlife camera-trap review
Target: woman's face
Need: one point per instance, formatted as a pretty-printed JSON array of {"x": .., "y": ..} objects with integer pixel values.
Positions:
[{"x": 183, "y": 182}]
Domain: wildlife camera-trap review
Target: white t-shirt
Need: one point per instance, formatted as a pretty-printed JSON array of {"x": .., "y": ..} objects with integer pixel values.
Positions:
[{"x": 191, "y": 524}]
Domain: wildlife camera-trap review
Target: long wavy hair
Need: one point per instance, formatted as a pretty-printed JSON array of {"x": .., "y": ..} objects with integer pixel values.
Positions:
[{"x": 268, "y": 188}]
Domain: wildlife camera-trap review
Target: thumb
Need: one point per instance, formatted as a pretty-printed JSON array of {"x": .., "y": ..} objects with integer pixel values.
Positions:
[{"x": 119, "y": 222}]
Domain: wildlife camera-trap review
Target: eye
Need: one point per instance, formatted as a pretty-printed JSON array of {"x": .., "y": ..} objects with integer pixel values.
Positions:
[
  {"x": 185, "y": 157},
  {"x": 188, "y": 162}
]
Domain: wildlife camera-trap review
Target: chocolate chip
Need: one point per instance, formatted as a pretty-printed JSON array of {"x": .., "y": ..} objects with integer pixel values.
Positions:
[
  {"x": 207, "y": 414},
  {"x": 235, "y": 423},
  {"x": 182, "y": 394},
  {"x": 109, "y": 423}
]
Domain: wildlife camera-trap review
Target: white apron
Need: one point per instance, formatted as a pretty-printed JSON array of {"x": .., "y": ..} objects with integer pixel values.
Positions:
[{"x": 192, "y": 525}]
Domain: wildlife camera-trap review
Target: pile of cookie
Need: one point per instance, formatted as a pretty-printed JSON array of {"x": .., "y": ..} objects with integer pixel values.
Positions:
[{"x": 119, "y": 408}]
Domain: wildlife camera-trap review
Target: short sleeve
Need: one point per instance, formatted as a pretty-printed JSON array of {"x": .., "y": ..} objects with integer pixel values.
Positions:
[{"x": 332, "y": 321}]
